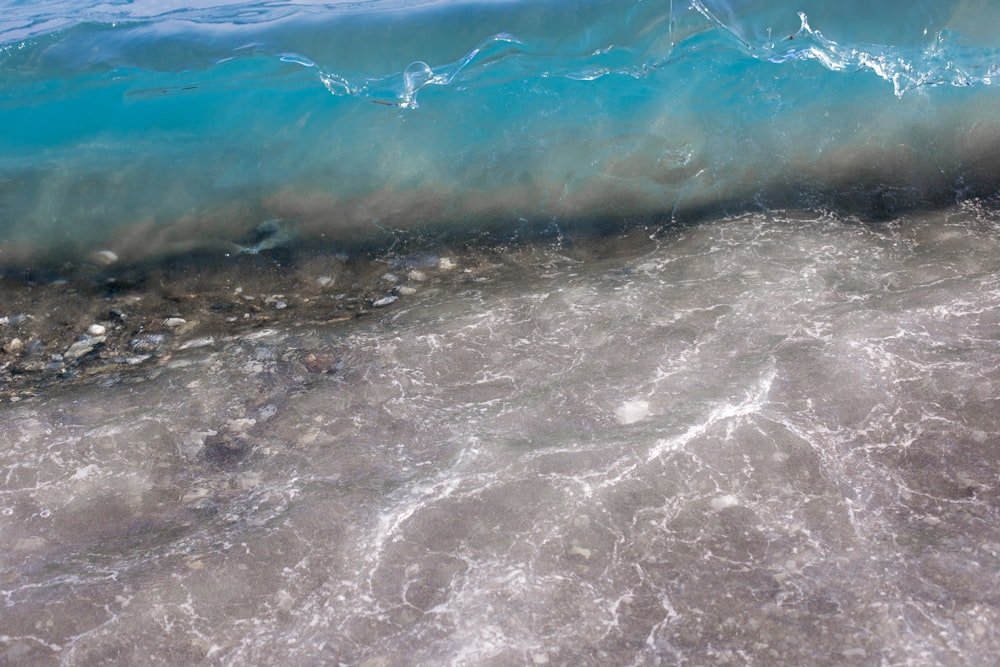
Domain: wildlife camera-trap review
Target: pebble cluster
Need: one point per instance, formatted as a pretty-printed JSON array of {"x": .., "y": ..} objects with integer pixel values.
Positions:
[
  {"x": 112, "y": 322},
  {"x": 119, "y": 324}
]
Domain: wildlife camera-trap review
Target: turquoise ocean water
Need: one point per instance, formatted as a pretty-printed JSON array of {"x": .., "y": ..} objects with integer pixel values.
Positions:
[{"x": 136, "y": 125}]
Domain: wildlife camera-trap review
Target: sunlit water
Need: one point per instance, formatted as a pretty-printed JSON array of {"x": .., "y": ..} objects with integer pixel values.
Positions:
[
  {"x": 727, "y": 395},
  {"x": 764, "y": 440}
]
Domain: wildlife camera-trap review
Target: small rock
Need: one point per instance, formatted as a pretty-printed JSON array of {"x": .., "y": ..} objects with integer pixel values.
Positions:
[
  {"x": 446, "y": 264},
  {"x": 132, "y": 361},
  {"x": 96, "y": 330},
  {"x": 322, "y": 363},
  {"x": 13, "y": 320},
  {"x": 390, "y": 277},
  {"x": 324, "y": 281},
  {"x": 417, "y": 276},
  {"x": 406, "y": 290},
  {"x": 174, "y": 322},
  {"x": 384, "y": 301},
  {"x": 280, "y": 305},
  {"x": 198, "y": 342},
  {"x": 104, "y": 257},
  {"x": 31, "y": 366},
  {"x": 82, "y": 347},
  {"x": 14, "y": 346},
  {"x": 148, "y": 343}
]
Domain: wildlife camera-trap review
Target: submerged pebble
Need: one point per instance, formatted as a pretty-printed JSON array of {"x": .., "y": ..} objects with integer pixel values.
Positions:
[
  {"x": 82, "y": 347},
  {"x": 13, "y": 320},
  {"x": 197, "y": 342},
  {"x": 384, "y": 301},
  {"x": 147, "y": 343},
  {"x": 133, "y": 360},
  {"x": 104, "y": 257}
]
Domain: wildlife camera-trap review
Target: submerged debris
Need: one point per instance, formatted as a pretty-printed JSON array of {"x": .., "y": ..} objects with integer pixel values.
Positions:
[
  {"x": 223, "y": 449},
  {"x": 268, "y": 235}
]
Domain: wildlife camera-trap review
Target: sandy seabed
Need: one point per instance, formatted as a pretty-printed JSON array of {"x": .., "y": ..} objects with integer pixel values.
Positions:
[{"x": 769, "y": 439}]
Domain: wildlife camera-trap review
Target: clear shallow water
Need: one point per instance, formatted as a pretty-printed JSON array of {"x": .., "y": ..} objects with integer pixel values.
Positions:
[
  {"x": 764, "y": 440},
  {"x": 762, "y": 431}
]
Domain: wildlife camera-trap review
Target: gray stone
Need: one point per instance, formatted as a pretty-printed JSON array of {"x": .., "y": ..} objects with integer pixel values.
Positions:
[{"x": 84, "y": 346}]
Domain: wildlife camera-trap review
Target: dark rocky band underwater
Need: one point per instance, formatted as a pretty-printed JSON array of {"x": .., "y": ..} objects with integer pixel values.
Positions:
[{"x": 573, "y": 332}]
